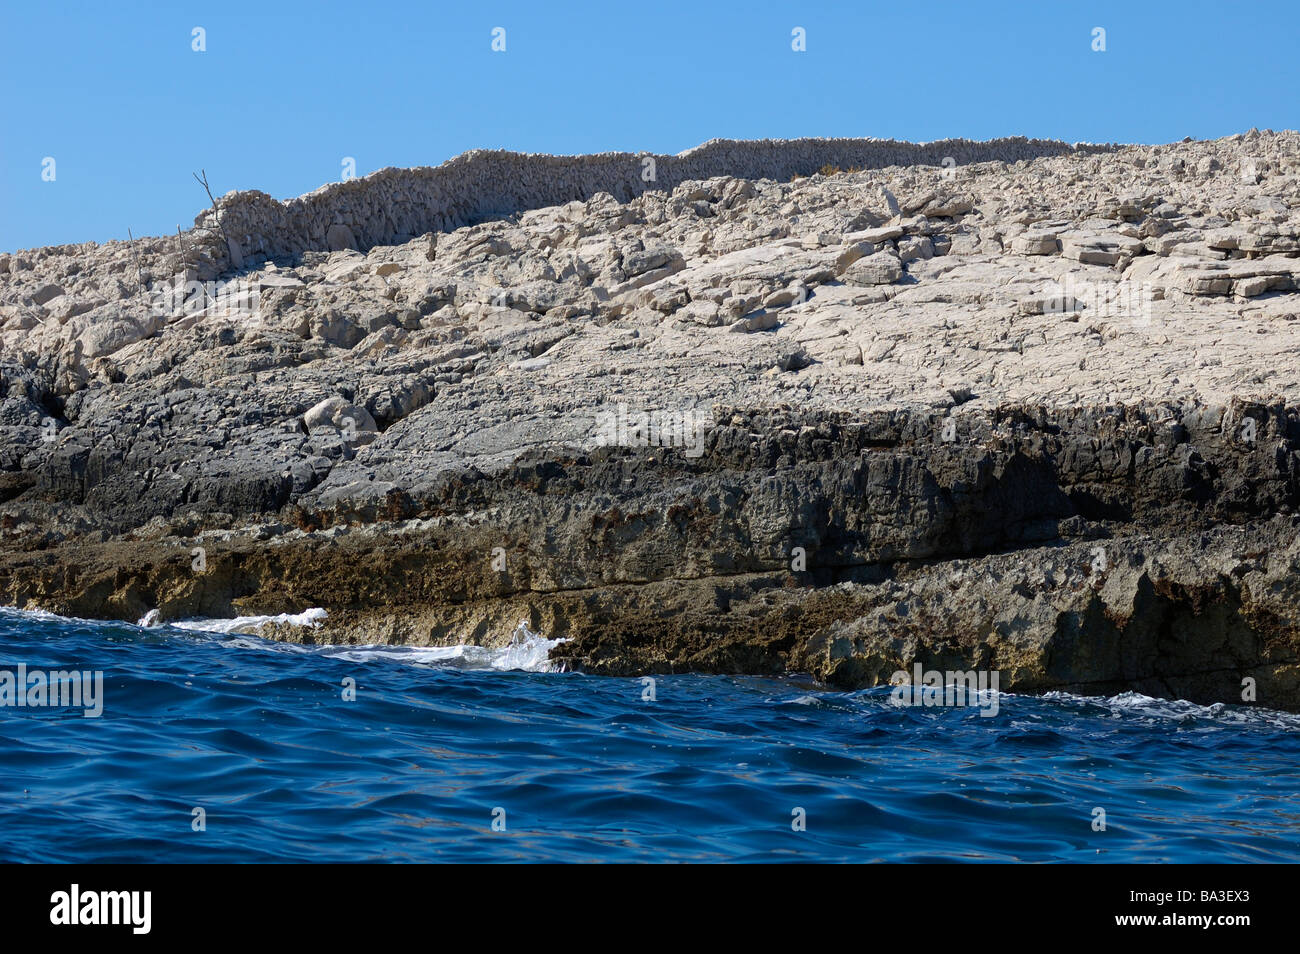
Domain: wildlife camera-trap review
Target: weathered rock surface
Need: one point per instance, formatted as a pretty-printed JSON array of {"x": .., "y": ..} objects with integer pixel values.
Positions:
[{"x": 1038, "y": 413}]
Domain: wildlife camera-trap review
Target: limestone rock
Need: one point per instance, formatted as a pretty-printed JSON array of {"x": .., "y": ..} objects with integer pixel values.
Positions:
[
  {"x": 653, "y": 392},
  {"x": 1099, "y": 249},
  {"x": 1036, "y": 243},
  {"x": 882, "y": 268},
  {"x": 337, "y": 414},
  {"x": 46, "y": 293},
  {"x": 339, "y": 237}
]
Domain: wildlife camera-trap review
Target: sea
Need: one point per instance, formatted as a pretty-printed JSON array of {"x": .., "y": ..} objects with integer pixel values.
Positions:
[{"x": 200, "y": 742}]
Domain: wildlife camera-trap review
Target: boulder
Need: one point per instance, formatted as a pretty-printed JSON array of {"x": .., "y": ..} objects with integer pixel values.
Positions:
[{"x": 882, "y": 268}]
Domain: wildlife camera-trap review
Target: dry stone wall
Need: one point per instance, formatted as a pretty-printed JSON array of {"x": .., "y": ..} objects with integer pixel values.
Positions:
[{"x": 393, "y": 205}]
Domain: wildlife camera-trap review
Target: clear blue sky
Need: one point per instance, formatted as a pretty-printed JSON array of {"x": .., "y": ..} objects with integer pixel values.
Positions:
[{"x": 115, "y": 94}]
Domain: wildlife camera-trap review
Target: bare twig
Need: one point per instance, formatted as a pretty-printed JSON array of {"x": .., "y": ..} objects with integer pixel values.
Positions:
[
  {"x": 135, "y": 257},
  {"x": 216, "y": 212}
]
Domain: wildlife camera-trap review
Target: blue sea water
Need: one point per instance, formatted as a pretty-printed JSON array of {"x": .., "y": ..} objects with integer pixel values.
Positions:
[{"x": 440, "y": 743}]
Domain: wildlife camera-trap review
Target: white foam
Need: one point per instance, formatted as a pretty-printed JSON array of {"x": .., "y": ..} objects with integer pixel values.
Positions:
[
  {"x": 530, "y": 655},
  {"x": 40, "y": 614},
  {"x": 527, "y": 651},
  {"x": 240, "y": 624},
  {"x": 1136, "y": 704}
]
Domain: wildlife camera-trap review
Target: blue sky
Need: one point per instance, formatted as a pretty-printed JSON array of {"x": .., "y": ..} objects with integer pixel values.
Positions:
[{"x": 114, "y": 93}]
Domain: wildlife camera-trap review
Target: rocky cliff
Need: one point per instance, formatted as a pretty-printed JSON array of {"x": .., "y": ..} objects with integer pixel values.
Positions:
[{"x": 1013, "y": 405}]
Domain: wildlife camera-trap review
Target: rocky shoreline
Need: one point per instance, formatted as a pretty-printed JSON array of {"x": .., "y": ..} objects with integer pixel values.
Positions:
[{"x": 1033, "y": 412}]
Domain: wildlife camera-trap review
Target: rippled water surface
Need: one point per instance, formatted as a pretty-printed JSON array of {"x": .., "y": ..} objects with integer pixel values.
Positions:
[{"x": 438, "y": 743}]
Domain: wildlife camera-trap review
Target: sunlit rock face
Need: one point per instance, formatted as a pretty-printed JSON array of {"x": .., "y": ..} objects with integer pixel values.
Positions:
[{"x": 828, "y": 405}]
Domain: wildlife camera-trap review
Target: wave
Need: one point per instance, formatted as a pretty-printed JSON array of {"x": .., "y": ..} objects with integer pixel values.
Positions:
[
  {"x": 527, "y": 651},
  {"x": 239, "y": 624},
  {"x": 1138, "y": 705}
]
